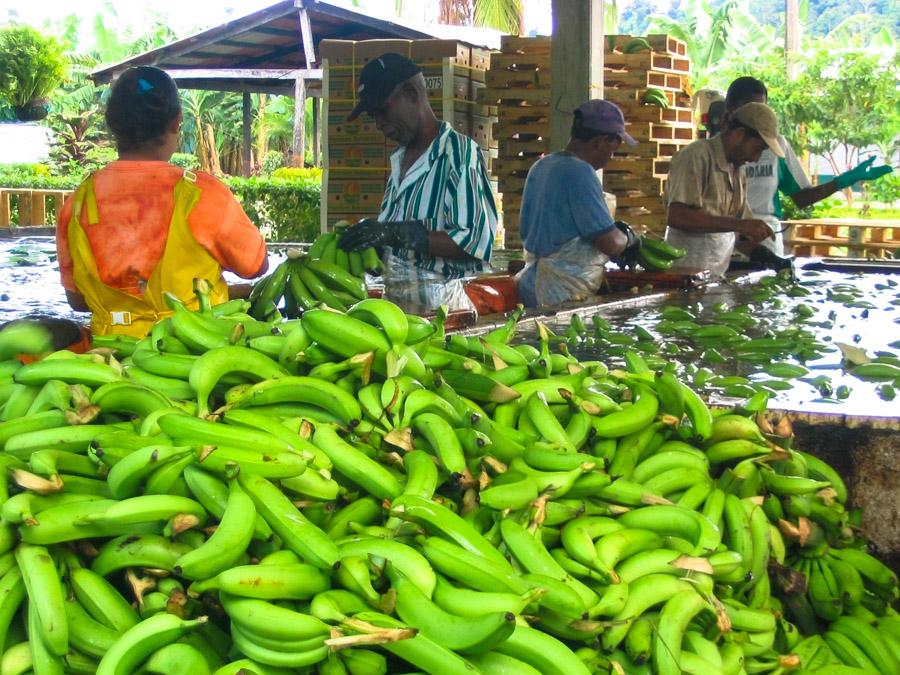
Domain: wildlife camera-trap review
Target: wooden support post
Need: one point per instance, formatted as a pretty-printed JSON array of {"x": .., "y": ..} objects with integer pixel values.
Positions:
[
  {"x": 246, "y": 145},
  {"x": 298, "y": 147},
  {"x": 791, "y": 35},
  {"x": 316, "y": 120},
  {"x": 299, "y": 144},
  {"x": 576, "y": 63}
]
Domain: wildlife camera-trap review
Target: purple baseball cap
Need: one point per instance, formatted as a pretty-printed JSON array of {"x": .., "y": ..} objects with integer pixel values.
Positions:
[{"x": 604, "y": 116}]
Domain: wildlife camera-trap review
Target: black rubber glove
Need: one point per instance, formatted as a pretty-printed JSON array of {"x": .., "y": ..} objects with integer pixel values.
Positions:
[
  {"x": 410, "y": 234},
  {"x": 628, "y": 257}
]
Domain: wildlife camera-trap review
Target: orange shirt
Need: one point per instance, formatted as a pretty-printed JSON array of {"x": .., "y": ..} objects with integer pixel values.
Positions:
[{"x": 135, "y": 201}]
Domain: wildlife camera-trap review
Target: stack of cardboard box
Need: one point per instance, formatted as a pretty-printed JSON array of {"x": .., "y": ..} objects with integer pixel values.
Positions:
[{"x": 357, "y": 157}]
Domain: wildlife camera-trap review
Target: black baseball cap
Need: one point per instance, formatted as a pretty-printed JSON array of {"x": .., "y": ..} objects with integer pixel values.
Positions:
[{"x": 378, "y": 79}]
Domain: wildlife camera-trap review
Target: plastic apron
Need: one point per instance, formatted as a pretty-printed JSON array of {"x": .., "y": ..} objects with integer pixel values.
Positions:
[
  {"x": 417, "y": 290},
  {"x": 116, "y": 311},
  {"x": 572, "y": 273},
  {"x": 710, "y": 251}
]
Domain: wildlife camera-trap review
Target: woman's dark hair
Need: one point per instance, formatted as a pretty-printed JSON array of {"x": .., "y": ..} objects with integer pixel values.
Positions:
[
  {"x": 743, "y": 90},
  {"x": 583, "y": 133},
  {"x": 141, "y": 106}
]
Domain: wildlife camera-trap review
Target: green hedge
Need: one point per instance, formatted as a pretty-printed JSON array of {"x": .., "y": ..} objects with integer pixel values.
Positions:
[
  {"x": 284, "y": 208},
  {"x": 35, "y": 176}
]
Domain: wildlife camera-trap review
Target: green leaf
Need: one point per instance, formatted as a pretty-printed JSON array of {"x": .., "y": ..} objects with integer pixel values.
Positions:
[{"x": 852, "y": 355}]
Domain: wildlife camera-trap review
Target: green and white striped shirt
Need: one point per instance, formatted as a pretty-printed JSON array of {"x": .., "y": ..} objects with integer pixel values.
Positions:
[{"x": 447, "y": 188}]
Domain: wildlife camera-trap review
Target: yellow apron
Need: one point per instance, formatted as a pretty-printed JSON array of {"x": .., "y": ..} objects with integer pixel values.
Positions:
[{"x": 116, "y": 311}]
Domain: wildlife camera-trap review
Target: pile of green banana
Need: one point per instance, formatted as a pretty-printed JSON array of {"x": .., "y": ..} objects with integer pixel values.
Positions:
[
  {"x": 739, "y": 350},
  {"x": 637, "y": 44},
  {"x": 359, "y": 492},
  {"x": 325, "y": 275},
  {"x": 657, "y": 97},
  {"x": 656, "y": 255}
]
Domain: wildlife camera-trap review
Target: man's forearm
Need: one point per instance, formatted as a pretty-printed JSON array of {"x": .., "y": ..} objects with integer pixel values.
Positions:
[
  {"x": 816, "y": 193},
  {"x": 695, "y": 221},
  {"x": 76, "y": 301},
  {"x": 440, "y": 244}
]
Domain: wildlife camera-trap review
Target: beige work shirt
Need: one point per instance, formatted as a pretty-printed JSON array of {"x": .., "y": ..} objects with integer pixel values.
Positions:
[{"x": 700, "y": 177}]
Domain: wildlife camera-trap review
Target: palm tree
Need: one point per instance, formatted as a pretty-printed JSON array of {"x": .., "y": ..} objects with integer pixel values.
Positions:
[{"x": 504, "y": 15}]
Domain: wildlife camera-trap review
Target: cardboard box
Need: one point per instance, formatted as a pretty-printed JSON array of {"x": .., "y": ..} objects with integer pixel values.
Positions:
[
  {"x": 343, "y": 84},
  {"x": 362, "y": 130},
  {"x": 360, "y": 194},
  {"x": 361, "y": 52},
  {"x": 477, "y": 127},
  {"x": 355, "y": 155}
]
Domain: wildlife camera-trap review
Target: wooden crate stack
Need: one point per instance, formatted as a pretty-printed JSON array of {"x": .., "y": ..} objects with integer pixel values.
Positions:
[
  {"x": 357, "y": 156},
  {"x": 843, "y": 237},
  {"x": 637, "y": 175},
  {"x": 519, "y": 83}
]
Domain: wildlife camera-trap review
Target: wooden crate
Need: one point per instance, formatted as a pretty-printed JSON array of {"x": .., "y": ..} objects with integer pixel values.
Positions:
[
  {"x": 643, "y": 79},
  {"x": 660, "y": 43},
  {"x": 852, "y": 237},
  {"x": 625, "y": 96},
  {"x": 663, "y": 63},
  {"x": 519, "y": 83},
  {"x": 653, "y": 113}
]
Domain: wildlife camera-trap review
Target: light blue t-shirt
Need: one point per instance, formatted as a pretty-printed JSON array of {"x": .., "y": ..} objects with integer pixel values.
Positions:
[{"x": 563, "y": 199}]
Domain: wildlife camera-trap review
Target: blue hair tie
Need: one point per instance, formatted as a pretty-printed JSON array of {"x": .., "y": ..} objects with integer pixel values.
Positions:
[{"x": 144, "y": 86}]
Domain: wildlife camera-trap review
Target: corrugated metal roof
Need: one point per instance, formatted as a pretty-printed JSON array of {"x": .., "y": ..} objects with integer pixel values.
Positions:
[{"x": 268, "y": 39}]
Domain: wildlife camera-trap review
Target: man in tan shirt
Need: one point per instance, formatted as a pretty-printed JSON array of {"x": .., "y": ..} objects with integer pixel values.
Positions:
[{"x": 706, "y": 196}]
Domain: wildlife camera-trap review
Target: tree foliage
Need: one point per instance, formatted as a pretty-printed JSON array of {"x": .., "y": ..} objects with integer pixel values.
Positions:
[
  {"x": 715, "y": 37},
  {"x": 31, "y": 65}
]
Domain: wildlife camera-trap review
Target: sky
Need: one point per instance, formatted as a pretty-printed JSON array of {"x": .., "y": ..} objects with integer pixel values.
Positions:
[{"x": 184, "y": 16}]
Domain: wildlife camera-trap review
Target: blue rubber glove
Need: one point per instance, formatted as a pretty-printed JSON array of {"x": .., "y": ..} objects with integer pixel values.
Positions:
[{"x": 863, "y": 171}]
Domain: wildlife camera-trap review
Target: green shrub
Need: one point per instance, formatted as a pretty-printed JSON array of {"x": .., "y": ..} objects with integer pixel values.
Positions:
[
  {"x": 298, "y": 173},
  {"x": 271, "y": 161},
  {"x": 31, "y": 65},
  {"x": 790, "y": 211},
  {"x": 284, "y": 210},
  {"x": 186, "y": 160},
  {"x": 885, "y": 190},
  {"x": 35, "y": 176}
]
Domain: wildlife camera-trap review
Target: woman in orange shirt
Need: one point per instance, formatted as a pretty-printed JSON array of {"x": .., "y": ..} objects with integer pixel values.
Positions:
[{"x": 141, "y": 226}]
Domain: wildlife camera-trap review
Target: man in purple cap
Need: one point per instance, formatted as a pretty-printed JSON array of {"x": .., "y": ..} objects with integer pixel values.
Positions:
[
  {"x": 567, "y": 230},
  {"x": 438, "y": 217}
]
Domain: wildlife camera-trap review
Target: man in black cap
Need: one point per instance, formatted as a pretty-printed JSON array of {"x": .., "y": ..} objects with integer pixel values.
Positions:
[{"x": 438, "y": 217}]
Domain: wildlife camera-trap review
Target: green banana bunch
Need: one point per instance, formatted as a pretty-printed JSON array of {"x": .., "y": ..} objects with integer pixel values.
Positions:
[
  {"x": 354, "y": 483},
  {"x": 326, "y": 275},
  {"x": 655, "y": 97},
  {"x": 656, "y": 255},
  {"x": 635, "y": 45}
]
